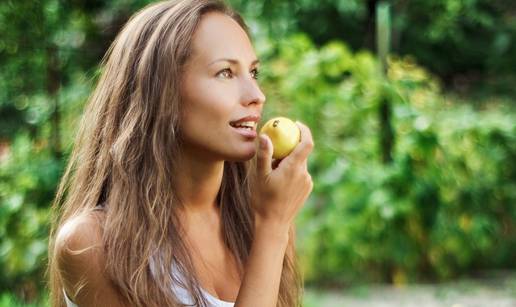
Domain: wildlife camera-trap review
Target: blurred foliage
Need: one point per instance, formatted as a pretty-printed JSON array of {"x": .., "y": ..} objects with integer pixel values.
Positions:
[
  {"x": 446, "y": 203},
  {"x": 465, "y": 42},
  {"x": 10, "y": 300},
  {"x": 27, "y": 181}
]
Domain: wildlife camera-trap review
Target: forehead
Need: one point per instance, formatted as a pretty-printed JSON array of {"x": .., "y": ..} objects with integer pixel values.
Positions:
[{"x": 219, "y": 36}]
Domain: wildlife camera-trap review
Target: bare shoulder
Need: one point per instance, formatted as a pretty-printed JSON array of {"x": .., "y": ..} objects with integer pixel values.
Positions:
[
  {"x": 79, "y": 256},
  {"x": 81, "y": 233}
]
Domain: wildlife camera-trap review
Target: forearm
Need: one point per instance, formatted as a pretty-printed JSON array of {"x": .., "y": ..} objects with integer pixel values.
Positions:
[{"x": 260, "y": 285}]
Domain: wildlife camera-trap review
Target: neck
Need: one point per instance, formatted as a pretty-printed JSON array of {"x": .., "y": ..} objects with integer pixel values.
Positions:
[{"x": 199, "y": 184}]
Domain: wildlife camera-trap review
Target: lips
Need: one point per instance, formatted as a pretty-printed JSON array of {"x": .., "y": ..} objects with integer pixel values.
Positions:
[
  {"x": 249, "y": 122},
  {"x": 246, "y": 126}
]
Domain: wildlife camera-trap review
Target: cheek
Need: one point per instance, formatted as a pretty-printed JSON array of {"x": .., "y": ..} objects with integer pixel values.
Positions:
[
  {"x": 205, "y": 118},
  {"x": 207, "y": 111},
  {"x": 208, "y": 102}
]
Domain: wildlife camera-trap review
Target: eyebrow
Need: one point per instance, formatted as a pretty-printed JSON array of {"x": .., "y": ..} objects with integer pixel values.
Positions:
[{"x": 233, "y": 61}]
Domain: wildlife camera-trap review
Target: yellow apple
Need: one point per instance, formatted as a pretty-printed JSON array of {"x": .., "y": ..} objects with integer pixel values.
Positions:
[{"x": 284, "y": 134}]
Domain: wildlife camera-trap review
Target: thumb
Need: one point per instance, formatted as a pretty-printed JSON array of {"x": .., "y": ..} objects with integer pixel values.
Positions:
[{"x": 264, "y": 160}]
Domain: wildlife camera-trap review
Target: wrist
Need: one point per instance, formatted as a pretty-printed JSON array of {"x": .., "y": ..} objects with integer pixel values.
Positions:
[{"x": 272, "y": 230}]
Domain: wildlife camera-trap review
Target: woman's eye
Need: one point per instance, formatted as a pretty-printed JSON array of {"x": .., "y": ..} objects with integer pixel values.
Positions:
[
  {"x": 255, "y": 73},
  {"x": 226, "y": 73}
]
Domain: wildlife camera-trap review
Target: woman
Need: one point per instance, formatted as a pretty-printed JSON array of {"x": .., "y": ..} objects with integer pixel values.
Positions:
[{"x": 162, "y": 203}]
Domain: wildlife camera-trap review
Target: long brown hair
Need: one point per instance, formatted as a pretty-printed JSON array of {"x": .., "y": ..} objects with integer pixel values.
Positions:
[{"x": 125, "y": 154}]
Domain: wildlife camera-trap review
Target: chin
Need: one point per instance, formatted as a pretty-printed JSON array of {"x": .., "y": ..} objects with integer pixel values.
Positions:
[{"x": 242, "y": 156}]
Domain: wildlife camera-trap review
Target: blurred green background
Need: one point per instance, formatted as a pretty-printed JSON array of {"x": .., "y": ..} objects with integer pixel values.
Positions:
[{"x": 415, "y": 160}]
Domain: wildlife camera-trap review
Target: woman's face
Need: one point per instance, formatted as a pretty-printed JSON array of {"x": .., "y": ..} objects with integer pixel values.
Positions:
[{"x": 219, "y": 87}]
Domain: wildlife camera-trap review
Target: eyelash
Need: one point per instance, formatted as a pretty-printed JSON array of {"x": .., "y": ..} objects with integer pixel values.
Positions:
[{"x": 256, "y": 72}]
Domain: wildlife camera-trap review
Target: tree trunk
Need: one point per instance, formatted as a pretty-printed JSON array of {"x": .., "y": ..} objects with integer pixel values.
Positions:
[{"x": 53, "y": 85}]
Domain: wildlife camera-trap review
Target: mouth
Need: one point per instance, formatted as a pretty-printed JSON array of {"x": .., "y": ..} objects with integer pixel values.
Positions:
[
  {"x": 246, "y": 126},
  {"x": 249, "y": 125}
]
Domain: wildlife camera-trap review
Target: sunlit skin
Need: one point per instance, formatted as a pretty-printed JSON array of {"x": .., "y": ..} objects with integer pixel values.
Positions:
[{"x": 215, "y": 91}]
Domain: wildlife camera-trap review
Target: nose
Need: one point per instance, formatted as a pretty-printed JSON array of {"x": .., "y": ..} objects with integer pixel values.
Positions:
[{"x": 252, "y": 94}]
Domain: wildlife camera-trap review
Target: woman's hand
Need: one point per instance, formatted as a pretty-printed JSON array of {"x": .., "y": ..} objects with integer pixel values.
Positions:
[{"x": 278, "y": 193}]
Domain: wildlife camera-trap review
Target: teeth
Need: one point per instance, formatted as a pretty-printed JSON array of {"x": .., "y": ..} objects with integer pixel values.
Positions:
[{"x": 249, "y": 125}]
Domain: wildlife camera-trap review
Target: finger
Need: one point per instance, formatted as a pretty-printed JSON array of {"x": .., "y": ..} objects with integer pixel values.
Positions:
[
  {"x": 304, "y": 148},
  {"x": 264, "y": 159}
]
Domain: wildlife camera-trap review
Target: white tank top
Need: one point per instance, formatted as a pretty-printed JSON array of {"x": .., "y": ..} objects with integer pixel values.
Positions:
[{"x": 182, "y": 294}]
